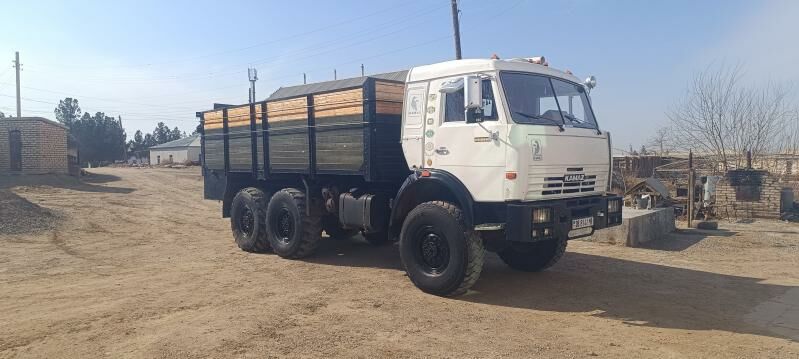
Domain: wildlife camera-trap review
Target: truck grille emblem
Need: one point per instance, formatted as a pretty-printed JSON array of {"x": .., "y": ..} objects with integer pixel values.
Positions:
[{"x": 574, "y": 177}]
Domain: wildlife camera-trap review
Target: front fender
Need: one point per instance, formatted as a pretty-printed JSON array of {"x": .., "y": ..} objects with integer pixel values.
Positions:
[{"x": 420, "y": 187}]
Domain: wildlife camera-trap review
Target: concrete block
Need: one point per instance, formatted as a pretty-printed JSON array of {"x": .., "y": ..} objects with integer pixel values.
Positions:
[{"x": 638, "y": 227}]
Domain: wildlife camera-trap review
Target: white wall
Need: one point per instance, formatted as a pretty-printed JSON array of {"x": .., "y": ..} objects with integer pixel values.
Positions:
[{"x": 179, "y": 155}]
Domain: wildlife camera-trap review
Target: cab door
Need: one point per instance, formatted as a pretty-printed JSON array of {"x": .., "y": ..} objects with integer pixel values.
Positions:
[
  {"x": 413, "y": 124},
  {"x": 473, "y": 152}
]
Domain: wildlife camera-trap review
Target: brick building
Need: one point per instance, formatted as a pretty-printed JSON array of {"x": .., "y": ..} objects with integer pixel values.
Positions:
[
  {"x": 32, "y": 145},
  {"x": 748, "y": 193}
]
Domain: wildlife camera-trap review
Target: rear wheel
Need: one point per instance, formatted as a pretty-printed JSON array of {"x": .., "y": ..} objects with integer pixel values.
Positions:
[
  {"x": 534, "y": 257},
  {"x": 291, "y": 232},
  {"x": 334, "y": 230},
  {"x": 248, "y": 220},
  {"x": 441, "y": 255}
]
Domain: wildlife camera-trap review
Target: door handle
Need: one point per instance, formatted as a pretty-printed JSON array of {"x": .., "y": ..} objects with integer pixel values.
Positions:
[{"x": 442, "y": 151}]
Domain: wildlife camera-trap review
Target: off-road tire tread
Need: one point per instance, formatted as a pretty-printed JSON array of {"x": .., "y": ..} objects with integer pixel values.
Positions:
[
  {"x": 261, "y": 243},
  {"x": 311, "y": 227},
  {"x": 474, "y": 248}
]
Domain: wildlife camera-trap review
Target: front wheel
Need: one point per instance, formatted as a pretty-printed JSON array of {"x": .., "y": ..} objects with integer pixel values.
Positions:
[
  {"x": 534, "y": 257},
  {"x": 441, "y": 255}
]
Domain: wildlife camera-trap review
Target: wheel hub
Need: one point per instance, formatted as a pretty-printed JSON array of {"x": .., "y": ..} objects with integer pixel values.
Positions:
[
  {"x": 434, "y": 252},
  {"x": 284, "y": 226},
  {"x": 247, "y": 221}
]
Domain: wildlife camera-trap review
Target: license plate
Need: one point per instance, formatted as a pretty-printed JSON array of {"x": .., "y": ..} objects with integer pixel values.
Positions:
[{"x": 582, "y": 222}]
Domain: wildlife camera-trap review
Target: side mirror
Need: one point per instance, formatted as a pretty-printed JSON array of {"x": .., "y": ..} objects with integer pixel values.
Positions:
[
  {"x": 473, "y": 98},
  {"x": 472, "y": 92}
]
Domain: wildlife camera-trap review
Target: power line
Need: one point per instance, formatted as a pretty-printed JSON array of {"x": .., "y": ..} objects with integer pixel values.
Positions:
[
  {"x": 333, "y": 46},
  {"x": 293, "y": 36}
]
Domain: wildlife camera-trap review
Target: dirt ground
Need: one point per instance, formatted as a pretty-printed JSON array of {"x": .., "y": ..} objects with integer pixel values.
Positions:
[{"x": 133, "y": 263}]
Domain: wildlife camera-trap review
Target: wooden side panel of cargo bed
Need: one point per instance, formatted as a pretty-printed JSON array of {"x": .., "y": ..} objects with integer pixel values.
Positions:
[
  {"x": 389, "y": 161},
  {"x": 259, "y": 133},
  {"x": 214, "y": 140},
  {"x": 288, "y": 135},
  {"x": 389, "y": 97},
  {"x": 239, "y": 139},
  {"x": 339, "y": 131}
]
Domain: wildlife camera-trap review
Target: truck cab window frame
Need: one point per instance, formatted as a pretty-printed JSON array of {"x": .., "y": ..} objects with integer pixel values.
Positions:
[
  {"x": 544, "y": 100},
  {"x": 455, "y": 112}
]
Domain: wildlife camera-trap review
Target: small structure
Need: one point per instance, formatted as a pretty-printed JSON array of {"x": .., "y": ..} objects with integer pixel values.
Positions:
[
  {"x": 184, "y": 150},
  {"x": 650, "y": 187},
  {"x": 32, "y": 145},
  {"x": 748, "y": 193}
]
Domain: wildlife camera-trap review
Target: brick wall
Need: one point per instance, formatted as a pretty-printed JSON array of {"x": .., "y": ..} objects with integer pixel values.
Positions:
[
  {"x": 748, "y": 194},
  {"x": 44, "y": 145}
]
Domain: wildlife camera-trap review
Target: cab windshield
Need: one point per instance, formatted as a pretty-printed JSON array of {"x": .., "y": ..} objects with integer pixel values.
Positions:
[{"x": 541, "y": 100}]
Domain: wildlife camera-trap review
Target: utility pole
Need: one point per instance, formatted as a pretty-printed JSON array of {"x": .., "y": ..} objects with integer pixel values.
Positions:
[
  {"x": 457, "y": 29},
  {"x": 18, "y": 66},
  {"x": 252, "y": 73},
  {"x": 362, "y": 72},
  {"x": 304, "y": 79},
  {"x": 691, "y": 190},
  {"x": 335, "y": 77},
  {"x": 124, "y": 145}
]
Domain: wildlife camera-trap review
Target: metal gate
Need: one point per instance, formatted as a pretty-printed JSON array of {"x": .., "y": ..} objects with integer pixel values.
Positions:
[{"x": 15, "y": 154}]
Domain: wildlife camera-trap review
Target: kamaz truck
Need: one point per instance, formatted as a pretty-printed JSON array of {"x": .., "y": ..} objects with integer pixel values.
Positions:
[{"x": 449, "y": 160}]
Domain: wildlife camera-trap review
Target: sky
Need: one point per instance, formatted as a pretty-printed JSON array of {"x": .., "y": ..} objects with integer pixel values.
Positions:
[{"x": 150, "y": 61}]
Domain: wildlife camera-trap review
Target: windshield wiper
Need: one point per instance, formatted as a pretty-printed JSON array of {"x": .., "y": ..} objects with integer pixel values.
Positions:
[
  {"x": 573, "y": 118},
  {"x": 536, "y": 117}
]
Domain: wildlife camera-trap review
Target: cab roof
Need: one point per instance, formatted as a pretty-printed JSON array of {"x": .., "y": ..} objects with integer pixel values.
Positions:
[{"x": 468, "y": 66}]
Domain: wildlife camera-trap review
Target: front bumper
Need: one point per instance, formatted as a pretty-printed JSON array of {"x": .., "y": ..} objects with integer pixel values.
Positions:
[{"x": 519, "y": 226}]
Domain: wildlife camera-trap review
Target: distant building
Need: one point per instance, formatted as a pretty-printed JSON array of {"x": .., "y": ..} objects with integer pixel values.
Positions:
[
  {"x": 179, "y": 151},
  {"x": 32, "y": 145}
]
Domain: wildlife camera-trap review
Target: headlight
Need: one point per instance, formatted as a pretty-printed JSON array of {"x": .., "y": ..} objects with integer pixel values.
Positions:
[
  {"x": 542, "y": 215},
  {"x": 614, "y": 206}
]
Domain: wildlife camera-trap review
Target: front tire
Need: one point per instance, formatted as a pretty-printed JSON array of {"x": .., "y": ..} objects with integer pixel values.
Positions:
[
  {"x": 291, "y": 232},
  {"x": 248, "y": 220},
  {"x": 441, "y": 255},
  {"x": 534, "y": 257}
]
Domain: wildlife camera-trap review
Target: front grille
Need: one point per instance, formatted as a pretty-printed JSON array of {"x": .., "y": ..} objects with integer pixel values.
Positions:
[
  {"x": 546, "y": 181},
  {"x": 587, "y": 185}
]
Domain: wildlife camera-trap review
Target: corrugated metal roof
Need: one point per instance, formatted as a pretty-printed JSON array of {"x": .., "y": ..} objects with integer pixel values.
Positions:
[
  {"x": 300, "y": 90},
  {"x": 191, "y": 141}
]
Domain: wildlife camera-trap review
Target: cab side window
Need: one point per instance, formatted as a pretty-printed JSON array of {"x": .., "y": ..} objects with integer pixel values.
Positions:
[{"x": 453, "y": 105}]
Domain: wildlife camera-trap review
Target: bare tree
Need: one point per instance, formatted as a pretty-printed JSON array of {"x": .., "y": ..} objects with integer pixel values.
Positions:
[
  {"x": 661, "y": 141},
  {"x": 721, "y": 117}
]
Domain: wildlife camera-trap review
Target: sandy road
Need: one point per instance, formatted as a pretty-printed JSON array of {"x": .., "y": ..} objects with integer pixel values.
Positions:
[{"x": 140, "y": 266}]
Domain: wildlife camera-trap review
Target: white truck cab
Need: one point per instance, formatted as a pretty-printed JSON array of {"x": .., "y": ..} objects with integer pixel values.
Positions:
[
  {"x": 523, "y": 140},
  {"x": 535, "y": 136}
]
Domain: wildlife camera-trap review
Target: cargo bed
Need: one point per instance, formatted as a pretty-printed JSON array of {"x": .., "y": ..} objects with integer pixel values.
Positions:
[{"x": 347, "y": 127}]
